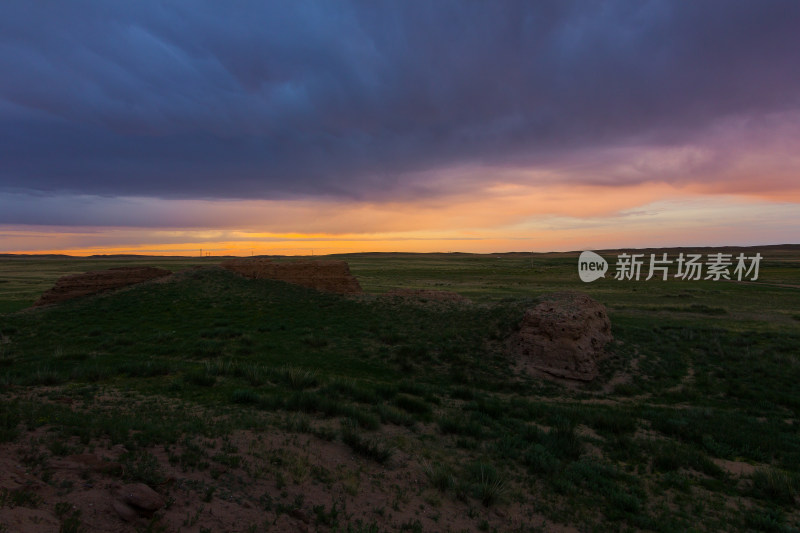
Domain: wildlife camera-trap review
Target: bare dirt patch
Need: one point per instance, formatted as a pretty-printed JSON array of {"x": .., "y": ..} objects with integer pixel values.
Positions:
[
  {"x": 735, "y": 468},
  {"x": 329, "y": 275},
  {"x": 77, "y": 285}
]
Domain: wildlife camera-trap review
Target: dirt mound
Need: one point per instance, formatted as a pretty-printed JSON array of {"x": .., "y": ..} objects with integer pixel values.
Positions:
[
  {"x": 563, "y": 336},
  {"x": 330, "y": 276},
  {"x": 77, "y": 285},
  {"x": 426, "y": 295}
]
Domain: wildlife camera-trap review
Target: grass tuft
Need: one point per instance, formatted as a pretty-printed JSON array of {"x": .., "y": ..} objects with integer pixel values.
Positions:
[
  {"x": 439, "y": 475},
  {"x": 488, "y": 486},
  {"x": 774, "y": 485},
  {"x": 370, "y": 447}
]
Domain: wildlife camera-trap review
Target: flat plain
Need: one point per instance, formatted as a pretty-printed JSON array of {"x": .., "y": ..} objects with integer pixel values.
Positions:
[{"x": 255, "y": 405}]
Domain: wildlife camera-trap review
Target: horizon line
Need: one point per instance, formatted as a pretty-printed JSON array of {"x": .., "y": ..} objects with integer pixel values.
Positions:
[{"x": 396, "y": 252}]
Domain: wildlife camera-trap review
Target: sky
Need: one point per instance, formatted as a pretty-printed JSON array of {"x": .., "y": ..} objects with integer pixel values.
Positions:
[{"x": 315, "y": 127}]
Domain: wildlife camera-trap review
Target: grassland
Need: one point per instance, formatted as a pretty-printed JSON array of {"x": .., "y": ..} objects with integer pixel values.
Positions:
[{"x": 298, "y": 408}]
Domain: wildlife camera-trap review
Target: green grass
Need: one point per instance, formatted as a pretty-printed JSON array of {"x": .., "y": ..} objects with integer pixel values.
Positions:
[{"x": 710, "y": 373}]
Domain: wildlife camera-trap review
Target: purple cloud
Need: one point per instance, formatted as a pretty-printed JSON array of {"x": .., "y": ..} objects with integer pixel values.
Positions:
[{"x": 198, "y": 99}]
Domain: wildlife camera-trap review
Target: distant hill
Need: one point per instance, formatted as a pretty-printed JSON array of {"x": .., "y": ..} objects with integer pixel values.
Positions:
[
  {"x": 673, "y": 249},
  {"x": 43, "y": 256}
]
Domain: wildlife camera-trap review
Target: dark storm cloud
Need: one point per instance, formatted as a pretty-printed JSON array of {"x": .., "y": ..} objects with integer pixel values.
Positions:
[{"x": 252, "y": 99}]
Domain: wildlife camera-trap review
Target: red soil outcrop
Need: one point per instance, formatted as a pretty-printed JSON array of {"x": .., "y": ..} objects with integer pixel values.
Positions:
[
  {"x": 77, "y": 285},
  {"x": 563, "y": 336},
  {"x": 329, "y": 275}
]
